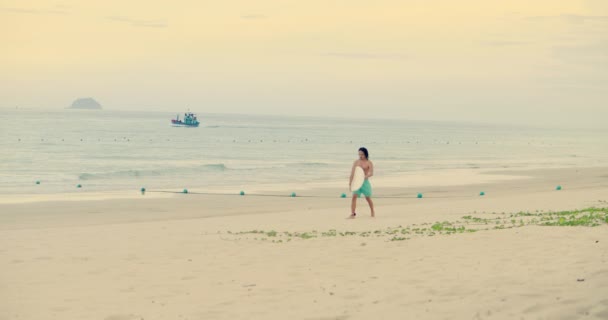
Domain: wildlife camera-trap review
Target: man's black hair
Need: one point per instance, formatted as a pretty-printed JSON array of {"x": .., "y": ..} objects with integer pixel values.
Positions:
[{"x": 364, "y": 150}]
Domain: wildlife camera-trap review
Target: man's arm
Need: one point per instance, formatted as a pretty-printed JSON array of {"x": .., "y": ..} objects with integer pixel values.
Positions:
[{"x": 371, "y": 170}]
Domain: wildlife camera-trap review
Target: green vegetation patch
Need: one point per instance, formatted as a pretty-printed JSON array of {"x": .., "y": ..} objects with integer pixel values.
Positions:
[{"x": 589, "y": 217}]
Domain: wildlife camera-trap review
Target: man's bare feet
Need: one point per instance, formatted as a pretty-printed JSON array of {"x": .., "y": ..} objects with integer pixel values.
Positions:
[
  {"x": 373, "y": 214},
  {"x": 352, "y": 216}
]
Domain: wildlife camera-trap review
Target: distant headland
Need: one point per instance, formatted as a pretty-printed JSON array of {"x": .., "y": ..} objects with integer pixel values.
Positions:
[{"x": 85, "y": 103}]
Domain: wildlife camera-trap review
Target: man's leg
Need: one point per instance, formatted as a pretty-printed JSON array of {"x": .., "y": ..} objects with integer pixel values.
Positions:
[
  {"x": 371, "y": 205},
  {"x": 353, "y": 205}
]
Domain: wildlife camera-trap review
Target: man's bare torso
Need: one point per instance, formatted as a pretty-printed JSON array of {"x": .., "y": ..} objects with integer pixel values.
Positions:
[{"x": 364, "y": 164}]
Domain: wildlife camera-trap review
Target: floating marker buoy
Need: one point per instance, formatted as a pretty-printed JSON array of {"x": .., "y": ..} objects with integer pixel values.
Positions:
[
  {"x": 293, "y": 194},
  {"x": 38, "y": 182},
  {"x": 185, "y": 191},
  {"x": 343, "y": 195},
  {"x": 419, "y": 196},
  {"x": 558, "y": 188},
  {"x": 482, "y": 193},
  {"x": 242, "y": 193},
  {"x": 143, "y": 190},
  {"x": 78, "y": 186}
]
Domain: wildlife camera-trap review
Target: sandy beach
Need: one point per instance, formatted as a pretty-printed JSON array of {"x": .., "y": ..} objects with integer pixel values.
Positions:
[
  {"x": 451, "y": 255},
  {"x": 193, "y": 160}
]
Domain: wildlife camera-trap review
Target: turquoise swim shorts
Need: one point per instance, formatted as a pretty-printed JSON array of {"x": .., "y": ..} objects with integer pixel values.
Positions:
[{"x": 365, "y": 190}]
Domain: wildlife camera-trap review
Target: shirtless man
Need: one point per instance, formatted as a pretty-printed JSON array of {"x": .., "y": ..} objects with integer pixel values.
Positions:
[{"x": 366, "y": 188}]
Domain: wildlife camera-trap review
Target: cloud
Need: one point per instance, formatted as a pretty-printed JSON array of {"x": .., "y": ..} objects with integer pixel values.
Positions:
[
  {"x": 140, "y": 23},
  {"x": 570, "y": 18},
  {"x": 58, "y": 10},
  {"x": 366, "y": 55},
  {"x": 504, "y": 43},
  {"x": 593, "y": 54},
  {"x": 254, "y": 16}
]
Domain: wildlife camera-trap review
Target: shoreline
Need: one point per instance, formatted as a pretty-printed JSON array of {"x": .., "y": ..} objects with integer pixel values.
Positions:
[
  {"x": 418, "y": 179},
  {"x": 538, "y": 192}
]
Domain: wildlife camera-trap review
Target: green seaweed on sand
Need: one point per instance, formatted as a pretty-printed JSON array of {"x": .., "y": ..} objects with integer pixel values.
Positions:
[
  {"x": 589, "y": 217},
  {"x": 584, "y": 219},
  {"x": 306, "y": 235},
  {"x": 330, "y": 233}
]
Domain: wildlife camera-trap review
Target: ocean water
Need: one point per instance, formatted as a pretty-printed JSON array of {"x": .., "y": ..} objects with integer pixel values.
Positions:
[{"x": 111, "y": 150}]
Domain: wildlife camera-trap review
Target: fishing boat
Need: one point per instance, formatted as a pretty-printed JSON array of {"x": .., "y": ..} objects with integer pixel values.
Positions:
[{"x": 189, "y": 120}]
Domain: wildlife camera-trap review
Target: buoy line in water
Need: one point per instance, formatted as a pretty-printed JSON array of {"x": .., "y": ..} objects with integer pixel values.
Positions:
[
  {"x": 269, "y": 140},
  {"x": 419, "y": 195},
  {"x": 294, "y": 195}
]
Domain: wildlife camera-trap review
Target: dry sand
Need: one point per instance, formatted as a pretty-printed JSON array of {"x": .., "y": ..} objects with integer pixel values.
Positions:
[{"x": 194, "y": 257}]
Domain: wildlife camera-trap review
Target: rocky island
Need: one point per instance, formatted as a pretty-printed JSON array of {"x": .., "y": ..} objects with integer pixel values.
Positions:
[{"x": 85, "y": 103}]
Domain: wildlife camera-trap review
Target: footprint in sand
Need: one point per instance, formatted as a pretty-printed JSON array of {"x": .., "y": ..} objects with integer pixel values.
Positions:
[
  {"x": 44, "y": 258},
  {"x": 60, "y": 309},
  {"x": 124, "y": 317}
]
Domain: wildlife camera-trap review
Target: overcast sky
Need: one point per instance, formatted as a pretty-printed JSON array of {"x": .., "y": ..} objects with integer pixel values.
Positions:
[{"x": 517, "y": 61}]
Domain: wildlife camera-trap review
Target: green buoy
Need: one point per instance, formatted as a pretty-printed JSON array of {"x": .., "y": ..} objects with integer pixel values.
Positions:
[
  {"x": 343, "y": 195},
  {"x": 185, "y": 191},
  {"x": 293, "y": 194},
  {"x": 143, "y": 190},
  {"x": 38, "y": 182},
  {"x": 242, "y": 193},
  {"x": 419, "y": 196},
  {"x": 482, "y": 193},
  {"x": 79, "y": 186},
  {"x": 558, "y": 188}
]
